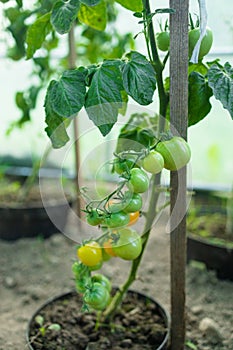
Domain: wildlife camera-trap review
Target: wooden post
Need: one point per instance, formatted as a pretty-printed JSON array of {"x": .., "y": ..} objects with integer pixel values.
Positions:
[
  {"x": 178, "y": 118},
  {"x": 72, "y": 64}
]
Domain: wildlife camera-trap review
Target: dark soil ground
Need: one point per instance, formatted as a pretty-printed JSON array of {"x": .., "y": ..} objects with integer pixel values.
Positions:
[{"x": 33, "y": 270}]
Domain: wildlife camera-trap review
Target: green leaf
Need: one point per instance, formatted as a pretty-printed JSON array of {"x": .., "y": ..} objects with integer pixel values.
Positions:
[
  {"x": 56, "y": 129},
  {"x": 54, "y": 327},
  {"x": 139, "y": 78},
  {"x": 64, "y": 14},
  {"x": 199, "y": 94},
  {"x": 135, "y": 5},
  {"x": 138, "y": 133},
  {"x": 19, "y": 3},
  {"x": 67, "y": 95},
  {"x": 90, "y": 2},
  {"x": 220, "y": 79},
  {"x": 37, "y": 33},
  {"x": 198, "y": 67},
  {"x": 95, "y": 16},
  {"x": 39, "y": 320},
  {"x": 104, "y": 97}
]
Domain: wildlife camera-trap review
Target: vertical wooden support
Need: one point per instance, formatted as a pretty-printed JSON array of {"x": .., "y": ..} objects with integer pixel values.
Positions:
[
  {"x": 178, "y": 117},
  {"x": 72, "y": 64}
]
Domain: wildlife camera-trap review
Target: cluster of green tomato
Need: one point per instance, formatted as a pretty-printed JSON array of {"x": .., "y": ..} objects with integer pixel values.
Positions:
[
  {"x": 163, "y": 41},
  {"x": 116, "y": 213}
]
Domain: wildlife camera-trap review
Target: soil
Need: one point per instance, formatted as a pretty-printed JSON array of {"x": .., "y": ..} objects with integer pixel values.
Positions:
[
  {"x": 33, "y": 270},
  {"x": 137, "y": 316}
]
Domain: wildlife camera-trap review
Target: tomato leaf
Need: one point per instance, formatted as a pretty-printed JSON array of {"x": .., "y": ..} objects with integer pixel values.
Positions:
[
  {"x": 139, "y": 78},
  {"x": 199, "y": 94},
  {"x": 56, "y": 129},
  {"x": 95, "y": 16},
  {"x": 90, "y": 2},
  {"x": 135, "y": 5},
  {"x": 67, "y": 95},
  {"x": 37, "y": 33},
  {"x": 63, "y": 15},
  {"x": 138, "y": 133},
  {"x": 104, "y": 97},
  {"x": 220, "y": 79}
]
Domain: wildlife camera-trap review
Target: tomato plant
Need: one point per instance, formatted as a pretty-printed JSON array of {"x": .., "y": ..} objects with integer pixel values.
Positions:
[{"x": 103, "y": 89}]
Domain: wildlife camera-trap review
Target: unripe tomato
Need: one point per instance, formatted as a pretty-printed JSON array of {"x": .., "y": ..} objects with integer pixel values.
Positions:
[
  {"x": 163, "y": 40},
  {"x": 129, "y": 244},
  {"x": 102, "y": 280},
  {"x": 124, "y": 164},
  {"x": 139, "y": 181},
  {"x": 90, "y": 254},
  {"x": 176, "y": 153},
  {"x": 133, "y": 202},
  {"x": 153, "y": 162},
  {"x": 97, "y": 296},
  {"x": 206, "y": 43},
  {"x": 93, "y": 218},
  {"x": 117, "y": 220}
]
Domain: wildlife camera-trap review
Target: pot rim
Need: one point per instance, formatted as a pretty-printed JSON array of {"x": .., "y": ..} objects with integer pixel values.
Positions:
[
  {"x": 162, "y": 311},
  {"x": 209, "y": 244}
]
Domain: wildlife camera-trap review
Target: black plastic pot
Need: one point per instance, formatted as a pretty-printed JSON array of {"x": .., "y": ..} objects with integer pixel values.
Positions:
[
  {"x": 160, "y": 310},
  {"x": 215, "y": 257},
  {"x": 32, "y": 221}
]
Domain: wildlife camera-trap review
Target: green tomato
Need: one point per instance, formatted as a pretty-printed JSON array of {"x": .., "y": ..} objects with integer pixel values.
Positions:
[
  {"x": 129, "y": 244},
  {"x": 133, "y": 202},
  {"x": 117, "y": 220},
  {"x": 176, "y": 153},
  {"x": 163, "y": 40},
  {"x": 206, "y": 43},
  {"x": 97, "y": 296},
  {"x": 82, "y": 276},
  {"x": 102, "y": 280},
  {"x": 153, "y": 162},
  {"x": 139, "y": 181},
  {"x": 79, "y": 270},
  {"x": 93, "y": 218},
  {"x": 122, "y": 165}
]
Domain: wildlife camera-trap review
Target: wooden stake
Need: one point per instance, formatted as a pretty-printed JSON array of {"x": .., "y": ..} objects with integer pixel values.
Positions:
[
  {"x": 72, "y": 56},
  {"x": 178, "y": 117}
]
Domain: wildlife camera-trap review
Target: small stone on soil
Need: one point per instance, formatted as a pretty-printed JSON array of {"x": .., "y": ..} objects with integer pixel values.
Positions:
[
  {"x": 210, "y": 330},
  {"x": 9, "y": 282}
]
